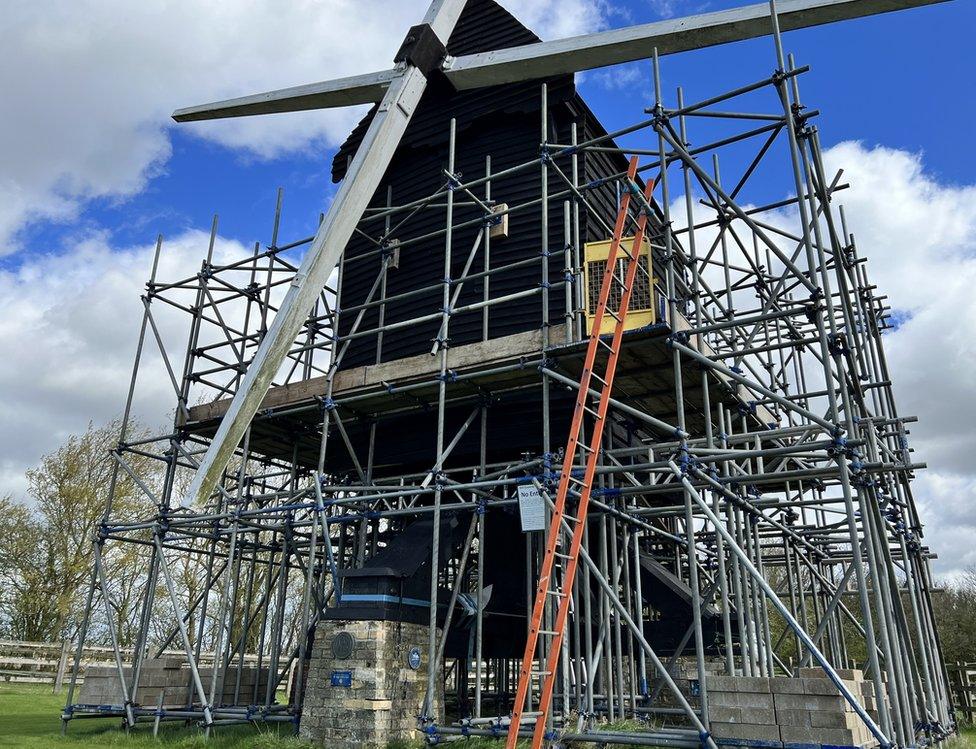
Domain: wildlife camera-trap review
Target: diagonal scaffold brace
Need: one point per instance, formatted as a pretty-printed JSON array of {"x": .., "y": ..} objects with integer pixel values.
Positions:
[{"x": 557, "y": 559}]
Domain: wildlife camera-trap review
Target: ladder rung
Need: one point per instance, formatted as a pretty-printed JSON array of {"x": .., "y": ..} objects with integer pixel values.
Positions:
[
  {"x": 548, "y": 632},
  {"x": 591, "y": 412},
  {"x": 556, "y": 593},
  {"x": 606, "y": 345}
]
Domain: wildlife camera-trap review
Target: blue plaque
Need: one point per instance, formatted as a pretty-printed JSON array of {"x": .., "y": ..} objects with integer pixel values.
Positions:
[
  {"x": 413, "y": 658},
  {"x": 342, "y": 678}
]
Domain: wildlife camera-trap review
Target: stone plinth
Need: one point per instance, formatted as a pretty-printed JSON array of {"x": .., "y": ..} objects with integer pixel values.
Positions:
[
  {"x": 171, "y": 678},
  {"x": 364, "y": 690},
  {"x": 803, "y": 712}
]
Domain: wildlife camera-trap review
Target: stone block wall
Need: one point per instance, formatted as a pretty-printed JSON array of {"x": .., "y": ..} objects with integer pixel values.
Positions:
[
  {"x": 384, "y": 693},
  {"x": 802, "y": 712},
  {"x": 171, "y": 677}
]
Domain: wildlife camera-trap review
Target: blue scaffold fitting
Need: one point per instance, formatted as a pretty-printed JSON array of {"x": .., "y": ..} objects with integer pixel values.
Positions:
[
  {"x": 454, "y": 181},
  {"x": 494, "y": 728},
  {"x": 482, "y": 507},
  {"x": 703, "y": 737},
  {"x": 747, "y": 409},
  {"x": 550, "y": 735},
  {"x": 678, "y": 336},
  {"x": 328, "y": 404},
  {"x": 446, "y": 311},
  {"x": 838, "y": 446},
  {"x": 431, "y": 734}
]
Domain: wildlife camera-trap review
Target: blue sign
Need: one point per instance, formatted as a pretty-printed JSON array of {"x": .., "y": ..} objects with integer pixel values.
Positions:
[
  {"x": 342, "y": 678},
  {"x": 413, "y": 658}
]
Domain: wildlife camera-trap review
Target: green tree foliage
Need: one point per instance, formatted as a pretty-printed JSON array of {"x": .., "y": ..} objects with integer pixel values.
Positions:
[
  {"x": 46, "y": 552},
  {"x": 955, "y": 613}
]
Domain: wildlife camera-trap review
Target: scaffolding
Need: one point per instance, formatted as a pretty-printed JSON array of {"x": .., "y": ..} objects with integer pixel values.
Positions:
[{"x": 752, "y": 446}]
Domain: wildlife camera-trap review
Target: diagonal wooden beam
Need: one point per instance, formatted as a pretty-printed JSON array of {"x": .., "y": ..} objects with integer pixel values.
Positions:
[
  {"x": 362, "y": 179},
  {"x": 341, "y": 92},
  {"x": 563, "y": 56}
]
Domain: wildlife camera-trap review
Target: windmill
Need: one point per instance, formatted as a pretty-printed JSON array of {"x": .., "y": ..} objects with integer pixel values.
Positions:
[
  {"x": 396, "y": 94},
  {"x": 398, "y": 91}
]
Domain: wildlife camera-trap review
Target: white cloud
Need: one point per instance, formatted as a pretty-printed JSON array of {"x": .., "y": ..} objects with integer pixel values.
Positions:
[
  {"x": 69, "y": 328},
  {"x": 554, "y": 19},
  {"x": 919, "y": 236},
  {"x": 89, "y": 86}
]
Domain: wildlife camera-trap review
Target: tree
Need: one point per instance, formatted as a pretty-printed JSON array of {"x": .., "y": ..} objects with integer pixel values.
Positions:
[
  {"x": 47, "y": 544},
  {"x": 955, "y": 614}
]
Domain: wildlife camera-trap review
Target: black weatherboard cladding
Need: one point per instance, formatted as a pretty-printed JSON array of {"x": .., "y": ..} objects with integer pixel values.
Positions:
[{"x": 502, "y": 122}]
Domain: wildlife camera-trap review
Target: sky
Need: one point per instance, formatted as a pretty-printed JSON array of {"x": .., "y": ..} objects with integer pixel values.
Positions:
[{"x": 92, "y": 169}]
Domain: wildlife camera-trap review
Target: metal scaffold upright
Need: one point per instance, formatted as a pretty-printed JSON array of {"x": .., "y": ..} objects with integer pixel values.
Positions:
[{"x": 640, "y": 409}]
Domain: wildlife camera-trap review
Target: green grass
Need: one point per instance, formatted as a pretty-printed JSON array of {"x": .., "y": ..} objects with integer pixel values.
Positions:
[
  {"x": 966, "y": 738},
  {"x": 30, "y": 717}
]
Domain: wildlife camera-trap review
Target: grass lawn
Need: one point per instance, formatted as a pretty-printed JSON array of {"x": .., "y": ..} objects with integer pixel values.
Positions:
[
  {"x": 30, "y": 717},
  {"x": 966, "y": 739}
]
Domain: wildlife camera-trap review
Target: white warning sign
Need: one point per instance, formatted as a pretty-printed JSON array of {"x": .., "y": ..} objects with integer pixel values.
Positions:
[{"x": 532, "y": 508}]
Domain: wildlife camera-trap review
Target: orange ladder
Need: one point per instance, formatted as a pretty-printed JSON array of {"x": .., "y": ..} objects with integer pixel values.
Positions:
[{"x": 595, "y": 406}]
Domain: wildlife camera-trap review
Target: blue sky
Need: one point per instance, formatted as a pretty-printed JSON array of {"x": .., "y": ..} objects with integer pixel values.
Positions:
[
  {"x": 91, "y": 169},
  {"x": 898, "y": 79}
]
